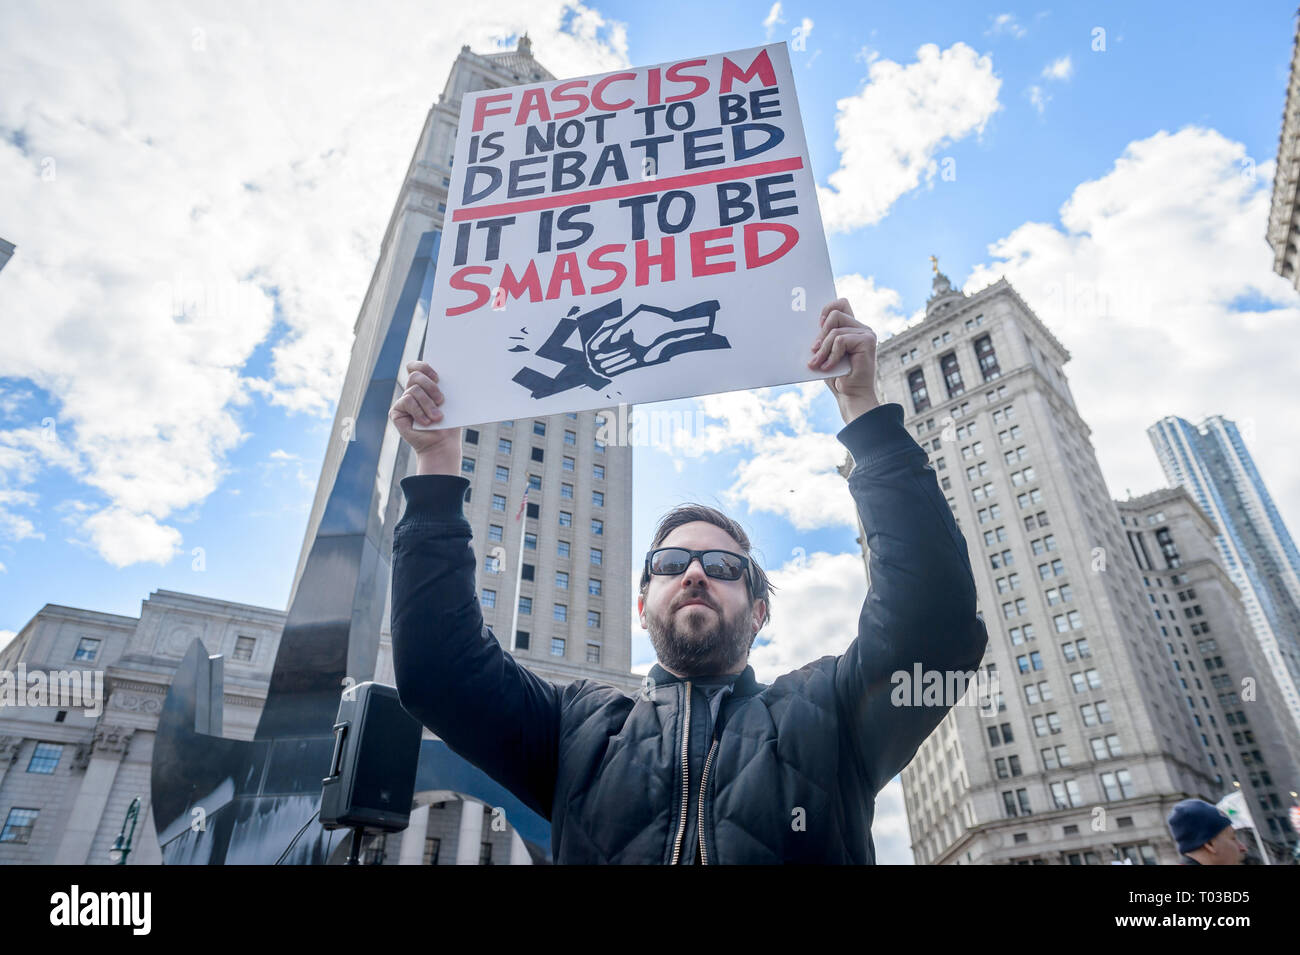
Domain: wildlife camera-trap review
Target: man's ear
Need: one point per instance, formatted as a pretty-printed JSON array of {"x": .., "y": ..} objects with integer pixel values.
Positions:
[
  {"x": 640, "y": 609},
  {"x": 760, "y": 615}
]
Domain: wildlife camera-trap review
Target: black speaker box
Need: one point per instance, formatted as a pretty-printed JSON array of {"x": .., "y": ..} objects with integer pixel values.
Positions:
[{"x": 371, "y": 779}]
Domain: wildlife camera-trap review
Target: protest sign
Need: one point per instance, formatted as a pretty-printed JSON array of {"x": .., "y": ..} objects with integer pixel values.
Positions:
[{"x": 636, "y": 236}]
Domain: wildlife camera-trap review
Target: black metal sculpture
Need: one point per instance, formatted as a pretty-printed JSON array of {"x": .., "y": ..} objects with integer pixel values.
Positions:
[{"x": 218, "y": 800}]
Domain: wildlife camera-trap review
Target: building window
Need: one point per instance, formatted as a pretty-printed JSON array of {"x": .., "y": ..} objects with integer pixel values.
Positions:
[
  {"x": 471, "y": 436},
  {"x": 498, "y": 502},
  {"x": 560, "y": 612},
  {"x": 562, "y": 548},
  {"x": 489, "y": 599},
  {"x": 539, "y": 454},
  {"x": 526, "y": 572},
  {"x": 593, "y": 586},
  {"x": 539, "y": 428},
  {"x": 45, "y": 758},
  {"x": 566, "y": 491},
  {"x": 557, "y": 646},
  {"x": 562, "y": 580},
  {"x": 467, "y": 465},
  {"x": 503, "y": 474},
  {"x": 534, "y": 482},
  {"x": 593, "y": 618},
  {"x": 951, "y": 375},
  {"x": 525, "y": 606},
  {"x": 988, "y": 359},
  {"x": 571, "y": 439},
  {"x": 598, "y": 472},
  {"x": 597, "y": 527},
  {"x": 568, "y": 464},
  {"x": 18, "y": 825},
  {"x": 916, "y": 384},
  {"x": 597, "y": 498},
  {"x": 243, "y": 649},
  {"x": 503, "y": 446},
  {"x": 1109, "y": 786},
  {"x": 596, "y": 556},
  {"x": 593, "y": 653},
  {"x": 533, "y": 510},
  {"x": 432, "y": 848},
  {"x": 495, "y": 532},
  {"x": 530, "y": 542},
  {"x": 492, "y": 564},
  {"x": 566, "y": 519}
]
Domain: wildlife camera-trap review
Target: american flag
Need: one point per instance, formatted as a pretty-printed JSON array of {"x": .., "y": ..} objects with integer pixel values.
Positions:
[{"x": 523, "y": 504}]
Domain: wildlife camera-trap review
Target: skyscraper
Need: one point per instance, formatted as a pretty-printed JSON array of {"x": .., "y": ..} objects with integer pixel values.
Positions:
[
  {"x": 1284, "y": 211},
  {"x": 569, "y": 547},
  {"x": 1246, "y": 734},
  {"x": 1087, "y": 745},
  {"x": 1212, "y": 462}
]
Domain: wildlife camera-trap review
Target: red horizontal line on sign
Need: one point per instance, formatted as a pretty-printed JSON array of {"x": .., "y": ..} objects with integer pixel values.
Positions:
[{"x": 628, "y": 189}]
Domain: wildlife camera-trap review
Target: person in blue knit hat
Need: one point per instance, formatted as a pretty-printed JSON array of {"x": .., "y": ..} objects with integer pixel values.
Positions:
[{"x": 1204, "y": 835}]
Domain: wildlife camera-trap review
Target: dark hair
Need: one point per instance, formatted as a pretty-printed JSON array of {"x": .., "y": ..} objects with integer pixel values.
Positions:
[{"x": 760, "y": 588}]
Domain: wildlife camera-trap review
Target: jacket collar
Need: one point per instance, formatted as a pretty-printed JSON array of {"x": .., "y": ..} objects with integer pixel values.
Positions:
[{"x": 742, "y": 684}]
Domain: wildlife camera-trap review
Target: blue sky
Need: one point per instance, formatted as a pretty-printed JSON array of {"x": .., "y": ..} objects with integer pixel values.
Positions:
[{"x": 157, "y": 177}]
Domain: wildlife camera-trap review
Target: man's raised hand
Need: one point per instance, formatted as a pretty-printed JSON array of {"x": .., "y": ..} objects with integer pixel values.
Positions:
[
  {"x": 842, "y": 335},
  {"x": 438, "y": 451}
]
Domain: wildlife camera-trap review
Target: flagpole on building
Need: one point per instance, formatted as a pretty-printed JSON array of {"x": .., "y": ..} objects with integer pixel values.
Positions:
[{"x": 519, "y": 573}]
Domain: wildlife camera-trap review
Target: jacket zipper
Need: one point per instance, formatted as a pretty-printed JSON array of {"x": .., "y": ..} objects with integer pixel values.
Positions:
[
  {"x": 704, "y": 783},
  {"x": 686, "y": 778}
]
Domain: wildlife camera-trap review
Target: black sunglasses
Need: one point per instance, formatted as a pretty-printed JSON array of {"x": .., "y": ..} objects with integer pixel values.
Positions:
[{"x": 718, "y": 564}]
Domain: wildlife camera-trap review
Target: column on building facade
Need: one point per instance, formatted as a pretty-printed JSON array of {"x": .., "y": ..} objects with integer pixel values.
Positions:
[
  {"x": 101, "y": 768},
  {"x": 469, "y": 846},
  {"x": 412, "y": 852},
  {"x": 518, "y": 851}
]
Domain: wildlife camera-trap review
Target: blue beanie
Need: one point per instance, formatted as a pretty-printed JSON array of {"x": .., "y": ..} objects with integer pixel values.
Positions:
[{"x": 1194, "y": 822}]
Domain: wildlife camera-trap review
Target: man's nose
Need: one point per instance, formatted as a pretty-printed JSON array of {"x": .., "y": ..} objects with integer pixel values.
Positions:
[{"x": 694, "y": 573}]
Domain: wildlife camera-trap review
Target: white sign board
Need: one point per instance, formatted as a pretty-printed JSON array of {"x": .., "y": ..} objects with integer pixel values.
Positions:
[{"x": 636, "y": 236}]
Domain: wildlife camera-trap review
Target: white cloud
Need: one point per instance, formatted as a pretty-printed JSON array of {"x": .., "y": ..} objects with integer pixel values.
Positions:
[
  {"x": 1159, "y": 282},
  {"x": 123, "y": 537},
  {"x": 184, "y": 182},
  {"x": 1005, "y": 24},
  {"x": 6, "y": 636},
  {"x": 879, "y": 308},
  {"x": 888, "y": 134},
  {"x": 1060, "y": 69},
  {"x": 1038, "y": 98},
  {"x": 794, "y": 476},
  {"x": 23, "y": 454},
  {"x": 772, "y": 19}
]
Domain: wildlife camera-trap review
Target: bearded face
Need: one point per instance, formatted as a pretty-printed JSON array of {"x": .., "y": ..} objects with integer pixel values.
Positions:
[
  {"x": 698, "y": 624},
  {"x": 696, "y": 637}
]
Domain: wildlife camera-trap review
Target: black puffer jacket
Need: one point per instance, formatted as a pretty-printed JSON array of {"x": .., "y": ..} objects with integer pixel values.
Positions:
[{"x": 789, "y": 771}]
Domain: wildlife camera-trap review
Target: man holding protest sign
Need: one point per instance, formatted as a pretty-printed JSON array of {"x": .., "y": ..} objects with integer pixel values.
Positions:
[{"x": 705, "y": 764}]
